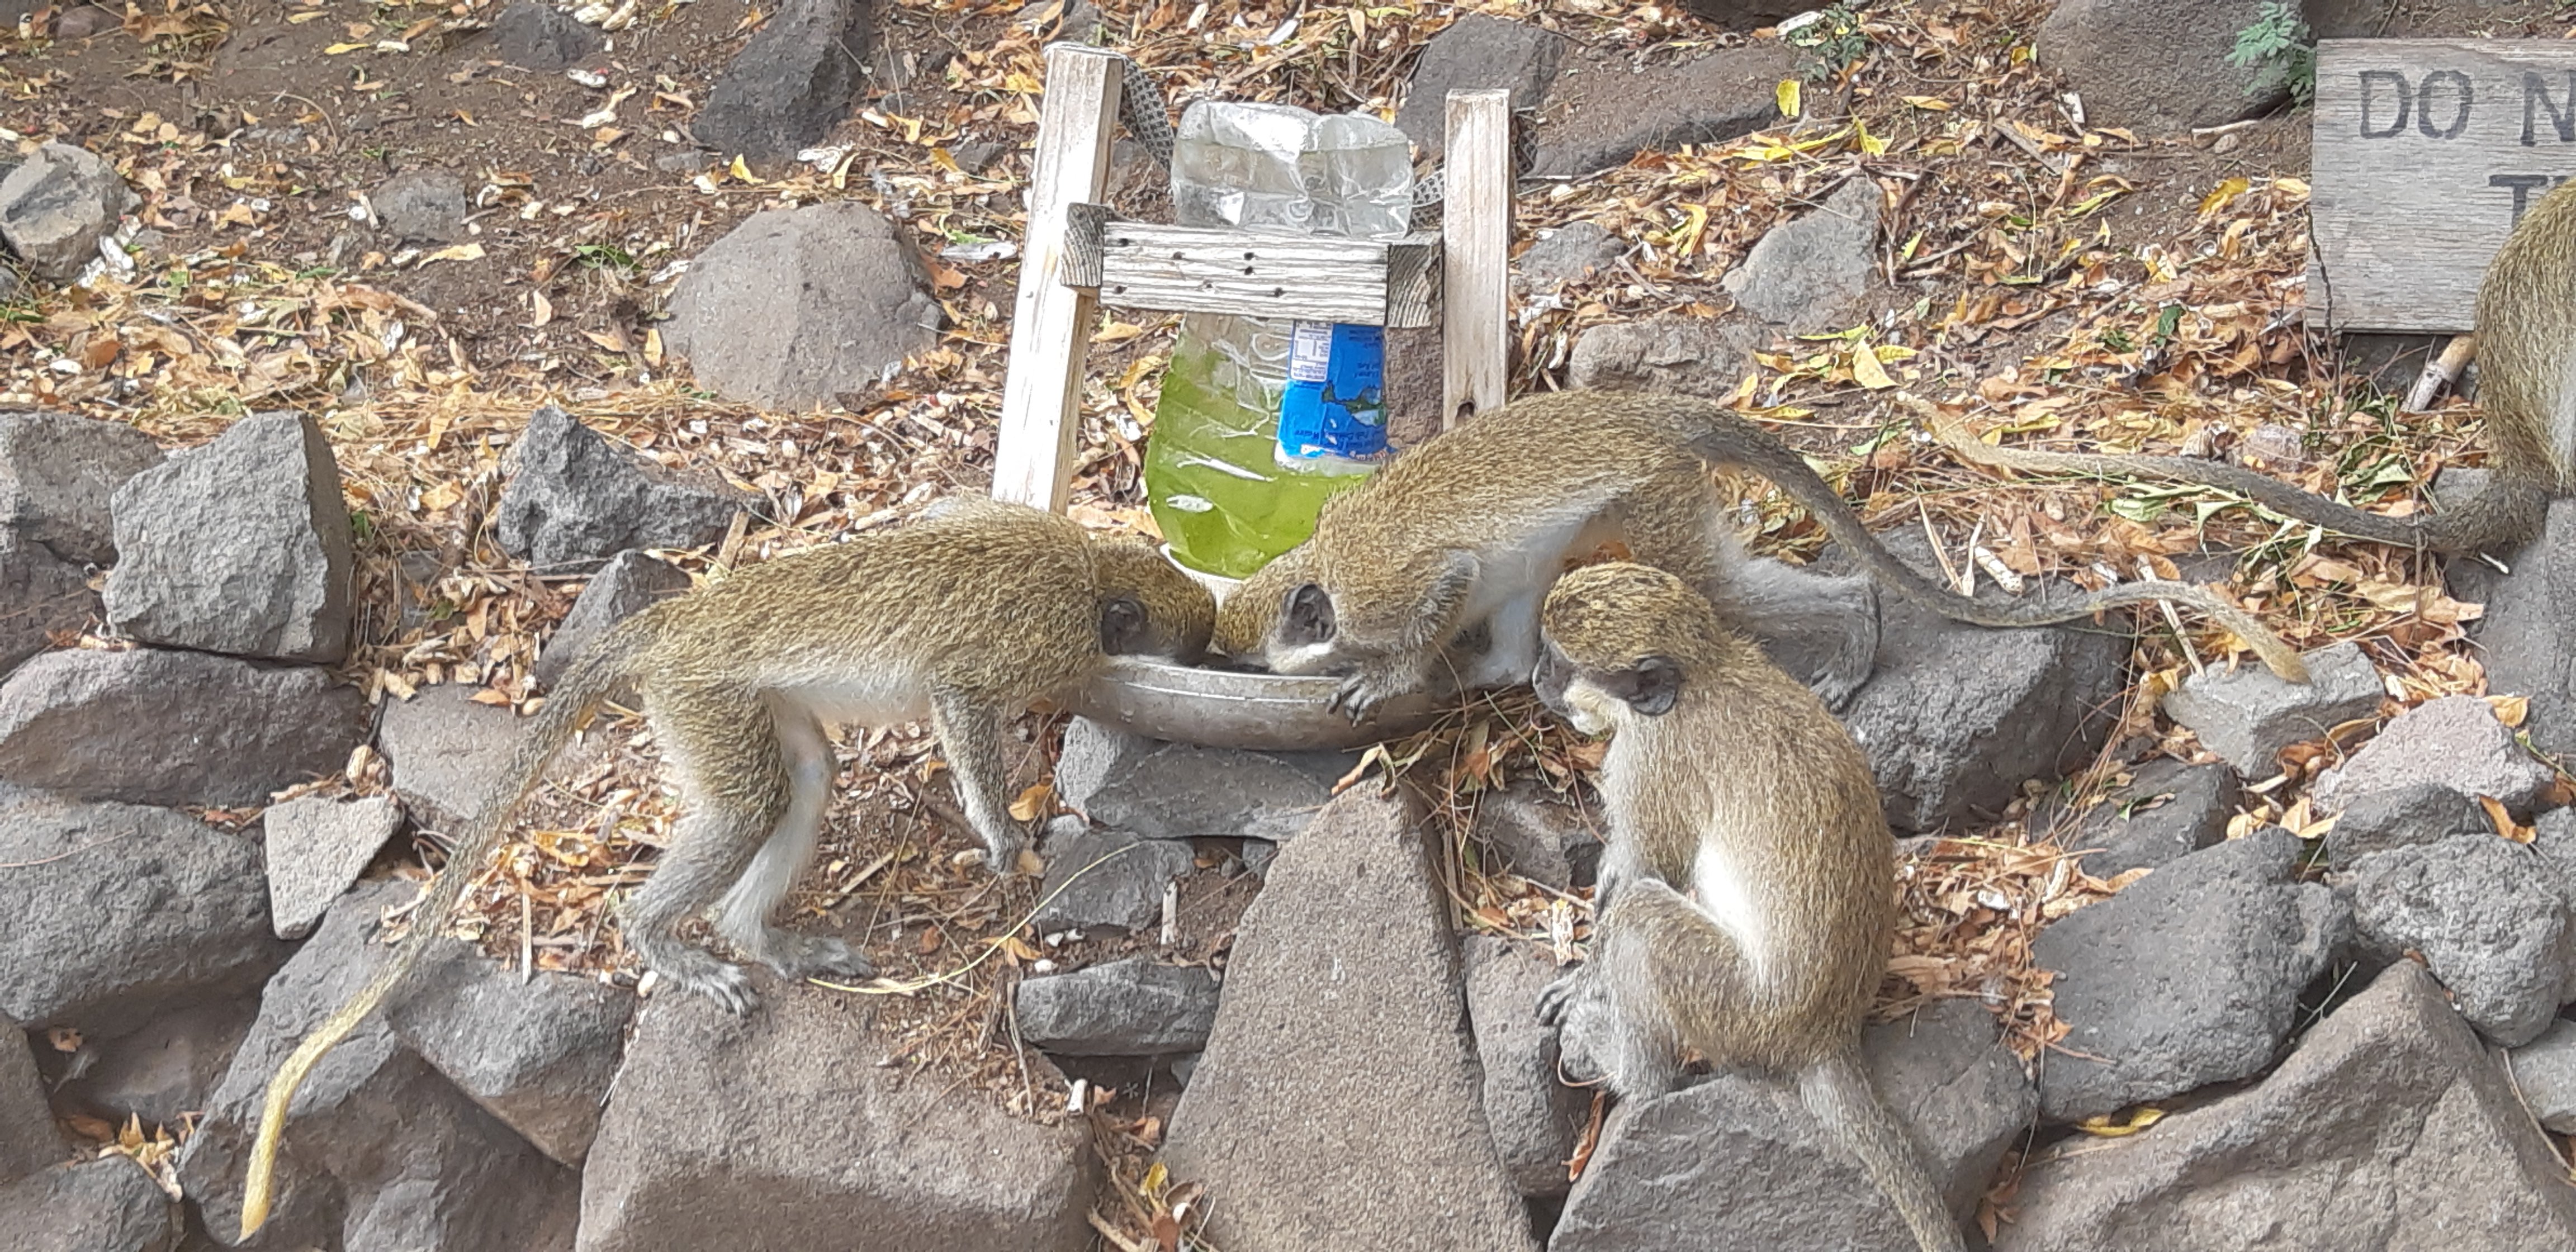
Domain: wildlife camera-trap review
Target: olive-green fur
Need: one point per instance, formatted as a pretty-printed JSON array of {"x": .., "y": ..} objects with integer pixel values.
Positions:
[
  {"x": 1627, "y": 465},
  {"x": 972, "y": 612},
  {"x": 1747, "y": 893}
]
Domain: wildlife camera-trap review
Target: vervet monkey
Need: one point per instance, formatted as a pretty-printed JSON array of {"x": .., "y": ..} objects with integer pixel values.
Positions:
[
  {"x": 2526, "y": 346},
  {"x": 1473, "y": 525},
  {"x": 965, "y": 616},
  {"x": 1747, "y": 892}
]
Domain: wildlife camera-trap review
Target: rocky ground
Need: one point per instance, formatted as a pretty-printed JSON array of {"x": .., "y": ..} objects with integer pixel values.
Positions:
[{"x": 450, "y": 334}]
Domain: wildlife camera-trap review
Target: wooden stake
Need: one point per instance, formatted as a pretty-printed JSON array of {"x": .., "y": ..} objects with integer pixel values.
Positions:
[
  {"x": 1476, "y": 254},
  {"x": 1050, "y": 322}
]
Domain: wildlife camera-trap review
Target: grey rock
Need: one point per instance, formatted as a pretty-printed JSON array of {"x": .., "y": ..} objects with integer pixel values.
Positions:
[
  {"x": 2544, "y": 1072},
  {"x": 2249, "y": 715},
  {"x": 108, "y": 1204},
  {"x": 788, "y": 1123},
  {"x": 165, "y": 1070},
  {"x": 43, "y": 601},
  {"x": 1568, "y": 254},
  {"x": 29, "y": 1141},
  {"x": 1379, "y": 1008},
  {"x": 1810, "y": 273},
  {"x": 1738, "y": 14},
  {"x": 2527, "y": 637},
  {"x": 1475, "y": 52},
  {"x": 241, "y": 546},
  {"x": 1956, "y": 717},
  {"x": 537, "y": 1054},
  {"x": 977, "y": 155},
  {"x": 2389, "y": 1128},
  {"x": 2167, "y": 811},
  {"x": 630, "y": 583},
  {"x": 379, "y": 1151},
  {"x": 1945, "y": 1072},
  {"x": 1257, "y": 856},
  {"x": 421, "y": 206},
  {"x": 2400, "y": 816},
  {"x": 58, "y": 479},
  {"x": 1133, "y": 1007},
  {"x": 1092, "y": 753},
  {"x": 2188, "y": 977},
  {"x": 1125, "y": 891},
  {"x": 317, "y": 847},
  {"x": 2490, "y": 918},
  {"x": 56, "y": 205},
  {"x": 1055, "y": 19},
  {"x": 2454, "y": 741},
  {"x": 1184, "y": 791},
  {"x": 535, "y": 35},
  {"x": 792, "y": 83},
  {"x": 1536, "y": 1119},
  {"x": 859, "y": 306},
  {"x": 1606, "y": 108},
  {"x": 577, "y": 500},
  {"x": 114, "y": 908},
  {"x": 447, "y": 752},
  {"x": 1543, "y": 840},
  {"x": 158, "y": 726},
  {"x": 1689, "y": 355},
  {"x": 1732, "y": 1163},
  {"x": 2094, "y": 45}
]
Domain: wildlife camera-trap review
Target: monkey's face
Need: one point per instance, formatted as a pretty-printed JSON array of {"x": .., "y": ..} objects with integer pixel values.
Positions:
[
  {"x": 1150, "y": 608},
  {"x": 1597, "y": 700},
  {"x": 1606, "y": 640},
  {"x": 1251, "y": 614}
]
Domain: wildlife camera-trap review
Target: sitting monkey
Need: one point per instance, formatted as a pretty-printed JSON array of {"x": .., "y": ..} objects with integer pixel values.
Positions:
[{"x": 1746, "y": 895}]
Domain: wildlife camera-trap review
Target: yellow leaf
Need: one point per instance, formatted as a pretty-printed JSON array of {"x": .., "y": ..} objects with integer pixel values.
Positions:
[
  {"x": 338, "y": 48},
  {"x": 1934, "y": 103},
  {"x": 743, "y": 172},
  {"x": 1118, "y": 332},
  {"x": 444, "y": 495},
  {"x": 1866, "y": 370},
  {"x": 485, "y": 695},
  {"x": 2113, "y": 1126},
  {"x": 2503, "y": 821},
  {"x": 1788, "y": 97},
  {"x": 1032, "y": 802},
  {"x": 461, "y": 252},
  {"x": 2219, "y": 197},
  {"x": 1156, "y": 1178},
  {"x": 1874, "y": 145},
  {"x": 2511, "y": 710},
  {"x": 653, "y": 347}
]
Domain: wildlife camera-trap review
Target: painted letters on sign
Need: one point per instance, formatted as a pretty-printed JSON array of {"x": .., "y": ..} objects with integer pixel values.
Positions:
[{"x": 2426, "y": 152}]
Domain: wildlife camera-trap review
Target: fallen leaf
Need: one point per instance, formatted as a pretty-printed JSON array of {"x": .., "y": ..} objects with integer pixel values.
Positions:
[
  {"x": 2511, "y": 710},
  {"x": 1032, "y": 802},
  {"x": 2114, "y": 1126},
  {"x": 1787, "y": 97},
  {"x": 2503, "y": 821}
]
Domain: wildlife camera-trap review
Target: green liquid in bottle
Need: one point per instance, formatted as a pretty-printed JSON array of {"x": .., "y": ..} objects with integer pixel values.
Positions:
[{"x": 1213, "y": 478}]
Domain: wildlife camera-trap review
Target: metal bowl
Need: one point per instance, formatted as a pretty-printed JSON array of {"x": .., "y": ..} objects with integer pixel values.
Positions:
[{"x": 1232, "y": 709}]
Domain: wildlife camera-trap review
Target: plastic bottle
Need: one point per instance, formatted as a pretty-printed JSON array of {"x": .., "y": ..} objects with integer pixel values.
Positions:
[{"x": 1228, "y": 492}]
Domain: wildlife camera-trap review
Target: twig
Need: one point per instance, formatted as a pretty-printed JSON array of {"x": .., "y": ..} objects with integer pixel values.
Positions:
[{"x": 63, "y": 856}]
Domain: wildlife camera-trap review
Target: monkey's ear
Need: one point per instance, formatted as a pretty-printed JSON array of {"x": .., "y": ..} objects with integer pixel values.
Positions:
[
  {"x": 1650, "y": 688},
  {"x": 1123, "y": 626},
  {"x": 1307, "y": 616}
]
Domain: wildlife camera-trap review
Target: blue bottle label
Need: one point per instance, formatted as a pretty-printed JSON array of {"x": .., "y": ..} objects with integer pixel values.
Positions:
[{"x": 1335, "y": 404}]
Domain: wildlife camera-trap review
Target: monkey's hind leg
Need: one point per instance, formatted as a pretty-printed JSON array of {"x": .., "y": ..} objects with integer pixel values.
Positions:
[
  {"x": 743, "y": 917},
  {"x": 1672, "y": 979},
  {"x": 970, "y": 736},
  {"x": 1775, "y": 600},
  {"x": 734, "y": 794}
]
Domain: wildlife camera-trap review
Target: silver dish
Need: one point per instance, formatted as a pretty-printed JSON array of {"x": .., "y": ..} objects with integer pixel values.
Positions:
[{"x": 1231, "y": 709}]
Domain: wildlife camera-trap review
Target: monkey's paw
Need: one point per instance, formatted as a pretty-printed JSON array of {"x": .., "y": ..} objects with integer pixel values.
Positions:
[
  {"x": 800, "y": 957},
  {"x": 1559, "y": 996},
  {"x": 1361, "y": 693},
  {"x": 703, "y": 974}
]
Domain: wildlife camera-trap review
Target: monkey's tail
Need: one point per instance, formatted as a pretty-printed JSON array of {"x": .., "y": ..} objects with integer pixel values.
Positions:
[
  {"x": 1722, "y": 436},
  {"x": 1838, "y": 1092},
  {"x": 590, "y": 682},
  {"x": 2505, "y": 511}
]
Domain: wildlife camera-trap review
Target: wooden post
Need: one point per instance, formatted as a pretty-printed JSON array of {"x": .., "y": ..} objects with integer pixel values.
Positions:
[
  {"x": 1050, "y": 322},
  {"x": 1476, "y": 254}
]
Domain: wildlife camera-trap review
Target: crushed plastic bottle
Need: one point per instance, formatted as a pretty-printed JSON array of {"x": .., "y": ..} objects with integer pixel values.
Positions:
[{"x": 1229, "y": 486}]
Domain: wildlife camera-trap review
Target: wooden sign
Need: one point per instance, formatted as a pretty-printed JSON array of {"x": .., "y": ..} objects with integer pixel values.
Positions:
[{"x": 2426, "y": 152}]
